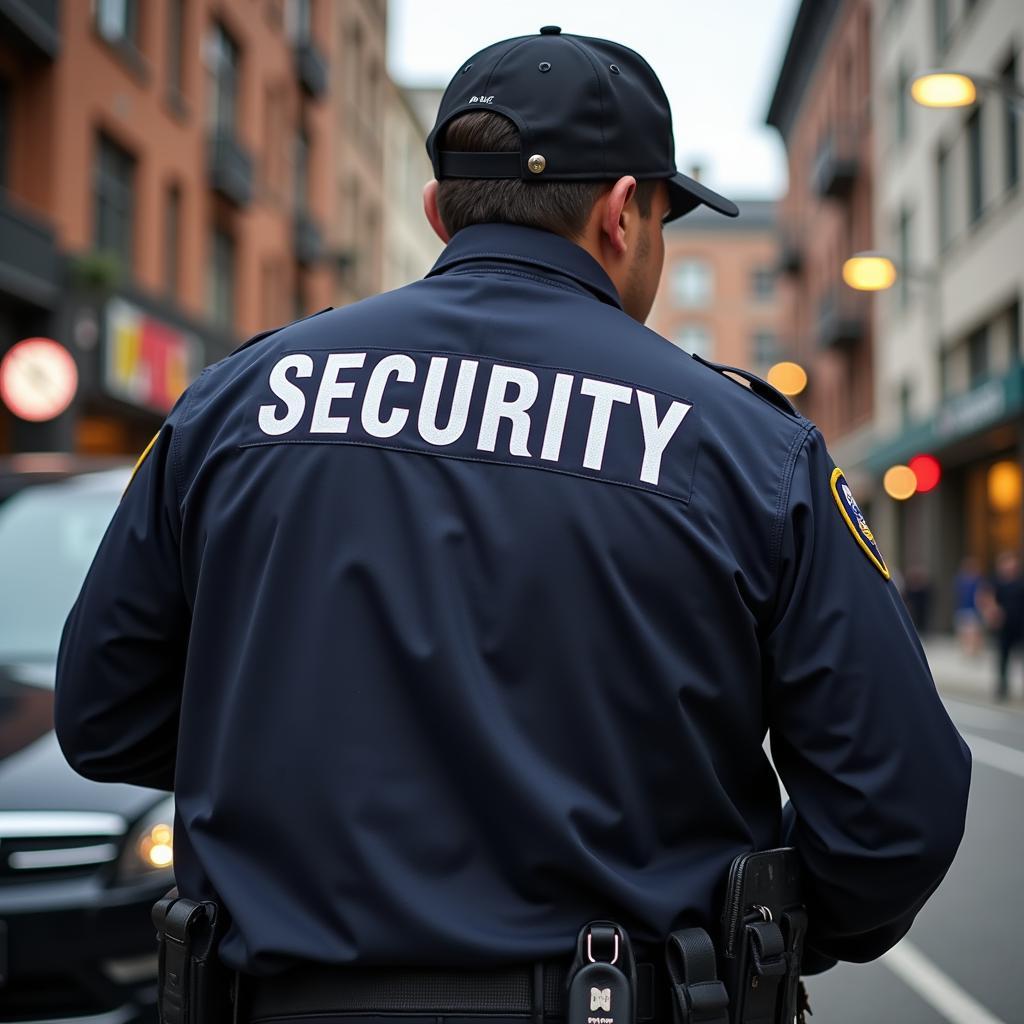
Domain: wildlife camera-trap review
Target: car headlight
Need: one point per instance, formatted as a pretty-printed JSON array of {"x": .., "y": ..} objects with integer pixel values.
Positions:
[{"x": 148, "y": 851}]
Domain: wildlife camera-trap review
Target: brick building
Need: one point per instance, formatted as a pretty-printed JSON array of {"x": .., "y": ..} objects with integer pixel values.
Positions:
[
  {"x": 718, "y": 296},
  {"x": 821, "y": 107},
  {"x": 167, "y": 173}
]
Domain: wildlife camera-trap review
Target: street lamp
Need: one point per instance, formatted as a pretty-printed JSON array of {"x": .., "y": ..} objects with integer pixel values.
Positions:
[
  {"x": 789, "y": 378},
  {"x": 875, "y": 272},
  {"x": 944, "y": 88}
]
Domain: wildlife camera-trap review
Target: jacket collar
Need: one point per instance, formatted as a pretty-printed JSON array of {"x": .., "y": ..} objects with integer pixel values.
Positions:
[{"x": 511, "y": 243}]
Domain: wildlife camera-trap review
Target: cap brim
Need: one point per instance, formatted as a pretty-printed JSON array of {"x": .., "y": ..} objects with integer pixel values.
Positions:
[{"x": 686, "y": 194}]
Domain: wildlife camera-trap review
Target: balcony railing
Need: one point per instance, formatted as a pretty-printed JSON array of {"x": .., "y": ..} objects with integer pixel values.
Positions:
[
  {"x": 842, "y": 318},
  {"x": 311, "y": 69},
  {"x": 29, "y": 264},
  {"x": 836, "y": 164},
  {"x": 32, "y": 24},
  {"x": 309, "y": 245},
  {"x": 230, "y": 169}
]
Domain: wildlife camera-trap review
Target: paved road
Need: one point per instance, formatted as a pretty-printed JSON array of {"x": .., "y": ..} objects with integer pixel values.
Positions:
[{"x": 963, "y": 961}]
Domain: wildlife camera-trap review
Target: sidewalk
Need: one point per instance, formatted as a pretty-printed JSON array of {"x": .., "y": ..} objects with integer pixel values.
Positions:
[{"x": 973, "y": 677}]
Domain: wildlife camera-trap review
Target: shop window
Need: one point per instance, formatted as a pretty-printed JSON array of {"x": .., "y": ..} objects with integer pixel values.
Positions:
[
  {"x": 222, "y": 63},
  {"x": 692, "y": 282},
  {"x": 695, "y": 339},
  {"x": 222, "y": 279},
  {"x": 975, "y": 166},
  {"x": 114, "y": 192}
]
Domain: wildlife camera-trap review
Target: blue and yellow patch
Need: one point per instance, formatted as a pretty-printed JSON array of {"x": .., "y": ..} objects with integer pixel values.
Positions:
[{"x": 855, "y": 520}]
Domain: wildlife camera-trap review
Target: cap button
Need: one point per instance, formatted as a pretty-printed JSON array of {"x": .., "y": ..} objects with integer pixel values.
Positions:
[{"x": 550, "y": 30}]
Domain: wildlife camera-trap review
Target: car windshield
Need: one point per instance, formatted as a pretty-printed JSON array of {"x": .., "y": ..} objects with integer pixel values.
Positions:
[{"x": 48, "y": 536}]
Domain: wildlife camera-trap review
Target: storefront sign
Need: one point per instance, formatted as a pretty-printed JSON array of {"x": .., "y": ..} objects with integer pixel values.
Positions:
[
  {"x": 147, "y": 362},
  {"x": 972, "y": 411}
]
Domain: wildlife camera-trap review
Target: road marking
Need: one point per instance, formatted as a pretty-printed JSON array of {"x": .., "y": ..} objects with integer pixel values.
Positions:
[
  {"x": 996, "y": 755},
  {"x": 936, "y": 987}
]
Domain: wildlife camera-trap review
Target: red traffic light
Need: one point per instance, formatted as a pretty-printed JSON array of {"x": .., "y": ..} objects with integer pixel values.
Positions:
[{"x": 927, "y": 471}]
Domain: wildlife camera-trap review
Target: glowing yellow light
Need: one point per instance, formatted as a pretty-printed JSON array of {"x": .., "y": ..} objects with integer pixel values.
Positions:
[
  {"x": 869, "y": 272},
  {"x": 899, "y": 482},
  {"x": 156, "y": 848},
  {"x": 946, "y": 89},
  {"x": 789, "y": 378},
  {"x": 1004, "y": 486}
]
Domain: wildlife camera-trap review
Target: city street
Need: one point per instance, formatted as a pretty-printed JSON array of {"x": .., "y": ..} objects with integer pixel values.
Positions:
[{"x": 961, "y": 962}]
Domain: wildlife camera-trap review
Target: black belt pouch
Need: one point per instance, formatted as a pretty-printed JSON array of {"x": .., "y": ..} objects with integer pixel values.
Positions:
[
  {"x": 763, "y": 928},
  {"x": 194, "y": 987}
]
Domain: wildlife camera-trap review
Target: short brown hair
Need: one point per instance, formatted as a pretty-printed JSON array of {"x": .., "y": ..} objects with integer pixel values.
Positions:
[{"x": 559, "y": 206}]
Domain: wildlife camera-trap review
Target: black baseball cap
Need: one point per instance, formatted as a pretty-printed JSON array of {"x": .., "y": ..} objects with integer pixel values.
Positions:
[{"x": 586, "y": 109}]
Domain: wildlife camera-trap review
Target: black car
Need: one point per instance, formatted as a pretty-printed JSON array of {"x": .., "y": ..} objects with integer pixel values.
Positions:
[{"x": 81, "y": 863}]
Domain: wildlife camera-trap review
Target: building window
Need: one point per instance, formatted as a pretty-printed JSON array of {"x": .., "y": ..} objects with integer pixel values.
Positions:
[
  {"x": 695, "y": 339},
  {"x": 5, "y": 129},
  {"x": 691, "y": 283},
  {"x": 118, "y": 21},
  {"x": 941, "y": 15},
  {"x": 172, "y": 240},
  {"x": 222, "y": 60},
  {"x": 903, "y": 104},
  {"x": 943, "y": 194},
  {"x": 301, "y": 171},
  {"x": 764, "y": 348},
  {"x": 975, "y": 167},
  {"x": 905, "y": 256},
  {"x": 1011, "y": 123},
  {"x": 222, "y": 279},
  {"x": 175, "y": 46},
  {"x": 763, "y": 284},
  {"x": 977, "y": 356},
  {"x": 115, "y": 200}
]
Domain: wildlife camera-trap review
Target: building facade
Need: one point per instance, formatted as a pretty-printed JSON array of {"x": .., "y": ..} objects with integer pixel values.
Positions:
[
  {"x": 950, "y": 213},
  {"x": 719, "y": 295},
  {"x": 359, "y": 98},
  {"x": 821, "y": 108},
  {"x": 410, "y": 245},
  {"x": 166, "y": 173}
]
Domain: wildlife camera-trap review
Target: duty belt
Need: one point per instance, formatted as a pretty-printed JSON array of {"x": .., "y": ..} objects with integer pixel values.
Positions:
[{"x": 536, "y": 991}]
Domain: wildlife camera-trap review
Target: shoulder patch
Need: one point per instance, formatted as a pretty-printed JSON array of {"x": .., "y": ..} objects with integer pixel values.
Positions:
[{"x": 854, "y": 518}]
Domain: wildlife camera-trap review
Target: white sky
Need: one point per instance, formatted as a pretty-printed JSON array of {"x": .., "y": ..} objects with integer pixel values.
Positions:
[{"x": 717, "y": 59}]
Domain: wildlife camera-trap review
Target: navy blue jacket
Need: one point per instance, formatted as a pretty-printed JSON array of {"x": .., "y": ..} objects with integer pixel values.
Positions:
[{"x": 457, "y": 617}]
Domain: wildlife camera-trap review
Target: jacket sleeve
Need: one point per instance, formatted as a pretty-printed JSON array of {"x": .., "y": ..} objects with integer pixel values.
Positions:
[
  {"x": 877, "y": 774},
  {"x": 122, "y": 653}
]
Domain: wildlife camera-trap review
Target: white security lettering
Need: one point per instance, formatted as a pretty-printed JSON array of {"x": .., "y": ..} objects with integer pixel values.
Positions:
[
  {"x": 404, "y": 369},
  {"x": 605, "y": 395},
  {"x": 289, "y": 393},
  {"x": 497, "y": 407},
  {"x": 427, "y": 423},
  {"x": 330, "y": 389},
  {"x": 657, "y": 435},
  {"x": 556, "y": 417}
]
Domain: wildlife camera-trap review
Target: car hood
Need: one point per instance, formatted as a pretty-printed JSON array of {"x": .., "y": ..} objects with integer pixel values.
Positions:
[{"x": 33, "y": 773}]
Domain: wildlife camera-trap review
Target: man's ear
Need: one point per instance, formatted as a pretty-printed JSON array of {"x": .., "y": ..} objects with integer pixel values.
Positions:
[
  {"x": 613, "y": 217},
  {"x": 430, "y": 209}
]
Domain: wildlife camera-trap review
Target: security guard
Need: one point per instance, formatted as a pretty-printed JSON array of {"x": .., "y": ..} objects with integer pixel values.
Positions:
[{"x": 457, "y": 617}]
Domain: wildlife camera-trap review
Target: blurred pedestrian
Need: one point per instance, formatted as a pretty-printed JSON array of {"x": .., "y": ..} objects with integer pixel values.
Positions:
[
  {"x": 1002, "y": 604},
  {"x": 917, "y": 594},
  {"x": 966, "y": 615}
]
